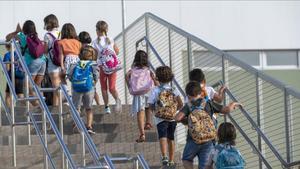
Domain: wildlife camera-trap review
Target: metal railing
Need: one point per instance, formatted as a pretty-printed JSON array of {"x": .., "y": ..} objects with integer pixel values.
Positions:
[{"x": 273, "y": 107}]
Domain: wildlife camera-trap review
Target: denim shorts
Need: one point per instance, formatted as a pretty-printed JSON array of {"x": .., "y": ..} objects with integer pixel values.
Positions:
[
  {"x": 202, "y": 151},
  {"x": 166, "y": 129},
  {"x": 85, "y": 99},
  {"x": 52, "y": 68},
  {"x": 37, "y": 67}
]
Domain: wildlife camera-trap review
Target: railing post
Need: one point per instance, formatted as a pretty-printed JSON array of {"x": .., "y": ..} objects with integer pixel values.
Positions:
[
  {"x": 45, "y": 138},
  {"x": 259, "y": 105},
  {"x": 225, "y": 78},
  {"x": 27, "y": 108},
  {"x": 170, "y": 48},
  {"x": 189, "y": 54},
  {"x": 13, "y": 130},
  {"x": 287, "y": 124},
  {"x": 124, "y": 49},
  {"x": 83, "y": 148},
  {"x": 61, "y": 123}
]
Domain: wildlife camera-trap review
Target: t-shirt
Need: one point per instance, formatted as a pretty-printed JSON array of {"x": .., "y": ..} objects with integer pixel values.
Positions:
[
  {"x": 210, "y": 93},
  {"x": 210, "y": 107},
  {"x": 95, "y": 72},
  {"x": 70, "y": 46},
  {"x": 28, "y": 58},
  {"x": 19, "y": 73},
  {"x": 49, "y": 39},
  {"x": 101, "y": 43},
  {"x": 153, "y": 97}
]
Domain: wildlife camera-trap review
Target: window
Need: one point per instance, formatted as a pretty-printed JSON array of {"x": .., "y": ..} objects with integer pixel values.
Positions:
[
  {"x": 249, "y": 57},
  {"x": 281, "y": 58}
]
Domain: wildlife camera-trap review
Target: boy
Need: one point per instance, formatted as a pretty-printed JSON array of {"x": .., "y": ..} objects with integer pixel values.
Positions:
[
  {"x": 198, "y": 101},
  {"x": 164, "y": 119},
  {"x": 84, "y": 94},
  {"x": 198, "y": 76}
]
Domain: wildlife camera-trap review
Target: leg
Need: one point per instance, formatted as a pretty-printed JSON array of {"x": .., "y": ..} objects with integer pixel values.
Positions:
[
  {"x": 171, "y": 137},
  {"x": 97, "y": 99},
  {"x": 112, "y": 85},
  {"x": 203, "y": 154},
  {"x": 187, "y": 164},
  {"x": 7, "y": 99},
  {"x": 103, "y": 82},
  {"x": 162, "y": 128},
  {"x": 89, "y": 117},
  {"x": 189, "y": 153},
  {"x": 163, "y": 146},
  {"x": 148, "y": 125},
  {"x": 55, "y": 80},
  {"x": 140, "y": 121},
  {"x": 31, "y": 92}
]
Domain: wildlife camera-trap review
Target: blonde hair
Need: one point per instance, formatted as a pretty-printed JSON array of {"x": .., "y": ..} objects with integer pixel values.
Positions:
[{"x": 102, "y": 27}]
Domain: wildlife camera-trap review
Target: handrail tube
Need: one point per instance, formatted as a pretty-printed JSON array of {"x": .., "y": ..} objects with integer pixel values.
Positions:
[
  {"x": 44, "y": 106},
  {"x": 266, "y": 140},
  {"x": 249, "y": 141},
  {"x": 142, "y": 160},
  {"x": 9, "y": 82},
  {"x": 41, "y": 139},
  {"x": 80, "y": 125},
  {"x": 6, "y": 110},
  {"x": 109, "y": 162}
]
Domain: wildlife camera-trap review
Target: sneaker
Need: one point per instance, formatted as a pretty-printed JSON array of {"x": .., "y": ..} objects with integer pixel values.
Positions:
[
  {"x": 164, "y": 160},
  {"x": 171, "y": 164},
  {"x": 118, "y": 106},
  {"x": 107, "y": 110},
  {"x": 90, "y": 130}
]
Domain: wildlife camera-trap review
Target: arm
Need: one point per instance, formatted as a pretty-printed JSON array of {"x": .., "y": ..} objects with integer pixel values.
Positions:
[
  {"x": 219, "y": 97},
  {"x": 127, "y": 78},
  {"x": 116, "y": 49},
  {"x": 179, "y": 103},
  {"x": 156, "y": 83},
  {"x": 13, "y": 34},
  {"x": 62, "y": 58},
  {"x": 230, "y": 107},
  {"x": 179, "y": 116}
]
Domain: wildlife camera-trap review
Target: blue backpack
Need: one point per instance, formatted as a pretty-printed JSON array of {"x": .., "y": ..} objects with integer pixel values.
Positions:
[
  {"x": 82, "y": 79},
  {"x": 229, "y": 158}
]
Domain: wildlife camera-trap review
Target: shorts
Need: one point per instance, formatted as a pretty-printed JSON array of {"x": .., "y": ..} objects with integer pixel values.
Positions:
[
  {"x": 37, "y": 67},
  {"x": 202, "y": 151},
  {"x": 110, "y": 78},
  {"x": 85, "y": 98},
  {"x": 18, "y": 86},
  {"x": 70, "y": 59},
  {"x": 166, "y": 129},
  {"x": 52, "y": 68}
]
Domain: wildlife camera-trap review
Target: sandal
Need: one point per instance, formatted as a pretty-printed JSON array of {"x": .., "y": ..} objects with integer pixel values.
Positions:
[
  {"x": 148, "y": 126},
  {"x": 141, "y": 139}
]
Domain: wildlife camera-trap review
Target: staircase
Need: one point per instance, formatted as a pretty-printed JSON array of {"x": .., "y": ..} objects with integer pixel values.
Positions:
[{"x": 115, "y": 136}]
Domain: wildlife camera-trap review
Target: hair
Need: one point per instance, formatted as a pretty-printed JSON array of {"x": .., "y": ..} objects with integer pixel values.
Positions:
[
  {"x": 197, "y": 75},
  {"x": 88, "y": 53},
  {"x": 84, "y": 37},
  {"x": 51, "y": 22},
  {"x": 102, "y": 27},
  {"x": 164, "y": 74},
  {"x": 68, "y": 31},
  {"x": 193, "y": 88},
  {"x": 226, "y": 133},
  {"x": 140, "y": 59},
  {"x": 29, "y": 27}
]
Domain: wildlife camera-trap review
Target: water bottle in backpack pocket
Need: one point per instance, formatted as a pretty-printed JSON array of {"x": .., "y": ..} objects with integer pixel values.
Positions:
[
  {"x": 35, "y": 46},
  {"x": 82, "y": 78},
  {"x": 140, "y": 81},
  {"x": 228, "y": 157}
]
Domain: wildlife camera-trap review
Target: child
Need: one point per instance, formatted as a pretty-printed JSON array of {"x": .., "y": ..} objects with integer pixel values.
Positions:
[
  {"x": 36, "y": 65},
  {"x": 103, "y": 43},
  {"x": 199, "y": 105},
  {"x": 51, "y": 26},
  {"x": 19, "y": 75},
  {"x": 165, "y": 100},
  {"x": 84, "y": 94},
  {"x": 85, "y": 39},
  {"x": 140, "y": 80},
  {"x": 225, "y": 154},
  {"x": 198, "y": 76}
]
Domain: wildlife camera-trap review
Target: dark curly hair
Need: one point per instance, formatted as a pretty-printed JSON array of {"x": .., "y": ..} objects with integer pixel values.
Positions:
[
  {"x": 140, "y": 59},
  {"x": 164, "y": 74},
  {"x": 193, "y": 89},
  {"x": 226, "y": 133},
  {"x": 197, "y": 75},
  {"x": 50, "y": 22},
  {"x": 84, "y": 37}
]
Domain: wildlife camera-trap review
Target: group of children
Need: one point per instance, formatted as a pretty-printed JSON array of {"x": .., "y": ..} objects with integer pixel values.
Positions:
[
  {"x": 82, "y": 61},
  {"x": 153, "y": 94}
]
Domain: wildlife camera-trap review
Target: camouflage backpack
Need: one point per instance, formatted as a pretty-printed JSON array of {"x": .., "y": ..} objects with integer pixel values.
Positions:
[
  {"x": 166, "y": 105},
  {"x": 200, "y": 124}
]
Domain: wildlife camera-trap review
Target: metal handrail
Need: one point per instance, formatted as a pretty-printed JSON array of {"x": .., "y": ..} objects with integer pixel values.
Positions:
[
  {"x": 44, "y": 107},
  {"x": 9, "y": 82},
  {"x": 142, "y": 160},
  {"x": 245, "y": 113},
  {"x": 6, "y": 110}
]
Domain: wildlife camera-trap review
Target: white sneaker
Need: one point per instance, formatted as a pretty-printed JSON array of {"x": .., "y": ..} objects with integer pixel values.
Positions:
[
  {"x": 107, "y": 110},
  {"x": 118, "y": 106}
]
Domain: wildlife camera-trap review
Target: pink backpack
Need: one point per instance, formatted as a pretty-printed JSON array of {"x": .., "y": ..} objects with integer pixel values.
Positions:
[
  {"x": 35, "y": 46},
  {"x": 140, "y": 81}
]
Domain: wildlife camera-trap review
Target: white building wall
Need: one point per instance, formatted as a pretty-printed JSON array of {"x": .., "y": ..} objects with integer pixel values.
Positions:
[{"x": 225, "y": 24}]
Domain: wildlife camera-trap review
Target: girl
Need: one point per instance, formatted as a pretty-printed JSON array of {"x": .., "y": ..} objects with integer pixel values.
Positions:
[
  {"x": 69, "y": 47},
  {"x": 51, "y": 26},
  {"x": 140, "y": 71},
  {"x": 85, "y": 39},
  {"x": 36, "y": 66},
  {"x": 100, "y": 44}
]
